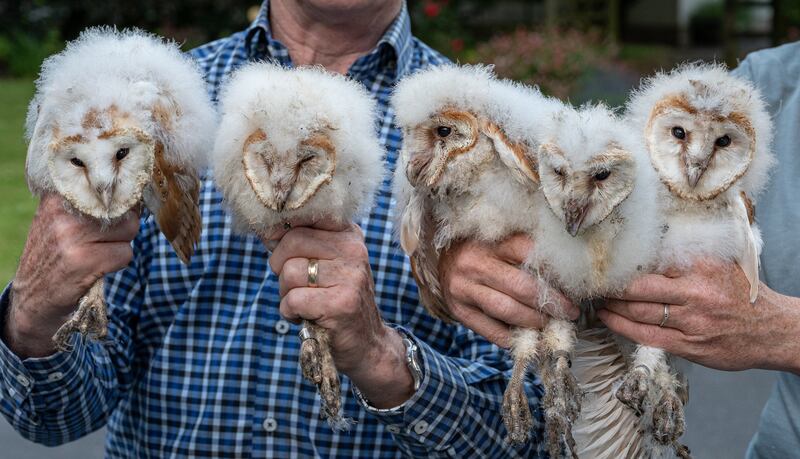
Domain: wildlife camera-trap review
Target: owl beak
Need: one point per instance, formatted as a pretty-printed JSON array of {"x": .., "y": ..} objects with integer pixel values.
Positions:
[
  {"x": 106, "y": 194},
  {"x": 437, "y": 168},
  {"x": 696, "y": 166},
  {"x": 574, "y": 214},
  {"x": 281, "y": 196},
  {"x": 694, "y": 171}
]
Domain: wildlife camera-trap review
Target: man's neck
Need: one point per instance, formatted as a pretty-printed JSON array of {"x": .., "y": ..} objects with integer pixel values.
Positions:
[{"x": 333, "y": 39}]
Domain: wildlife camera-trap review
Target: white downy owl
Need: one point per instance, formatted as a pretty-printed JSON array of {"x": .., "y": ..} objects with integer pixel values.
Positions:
[
  {"x": 468, "y": 171},
  {"x": 597, "y": 228},
  {"x": 298, "y": 144},
  {"x": 708, "y": 135},
  {"x": 119, "y": 118}
]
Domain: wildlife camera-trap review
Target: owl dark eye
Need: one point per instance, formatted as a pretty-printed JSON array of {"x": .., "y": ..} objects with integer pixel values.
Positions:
[
  {"x": 558, "y": 172},
  {"x": 307, "y": 158},
  {"x": 602, "y": 175},
  {"x": 678, "y": 132},
  {"x": 77, "y": 162},
  {"x": 443, "y": 131},
  {"x": 723, "y": 141},
  {"x": 122, "y": 153}
]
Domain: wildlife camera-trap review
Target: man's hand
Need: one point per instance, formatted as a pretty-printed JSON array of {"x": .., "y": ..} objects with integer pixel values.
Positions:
[
  {"x": 711, "y": 320},
  {"x": 63, "y": 256},
  {"x": 488, "y": 292},
  {"x": 366, "y": 350}
]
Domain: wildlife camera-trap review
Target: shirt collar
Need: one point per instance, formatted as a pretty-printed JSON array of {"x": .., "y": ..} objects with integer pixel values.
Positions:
[{"x": 395, "y": 44}]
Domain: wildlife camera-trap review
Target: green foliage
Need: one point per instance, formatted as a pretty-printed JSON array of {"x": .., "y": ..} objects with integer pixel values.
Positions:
[
  {"x": 21, "y": 54},
  {"x": 16, "y": 203}
]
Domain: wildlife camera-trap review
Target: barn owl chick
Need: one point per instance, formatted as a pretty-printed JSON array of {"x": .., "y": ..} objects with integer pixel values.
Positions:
[
  {"x": 708, "y": 135},
  {"x": 467, "y": 171},
  {"x": 597, "y": 228},
  {"x": 119, "y": 118},
  {"x": 298, "y": 145}
]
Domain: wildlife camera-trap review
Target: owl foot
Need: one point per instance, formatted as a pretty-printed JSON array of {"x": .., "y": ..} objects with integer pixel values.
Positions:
[
  {"x": 311, "y": 361},
  {"x": 89, "y": 320},
  {"x": 330, "y": 391},
  {"x": 317, "y": 365},
  {"x": 668, "y": 419},
  {"x": 561, "y": 406},
  {"x": 634, "y": 389},
  {"x": 516, "y": 412}
]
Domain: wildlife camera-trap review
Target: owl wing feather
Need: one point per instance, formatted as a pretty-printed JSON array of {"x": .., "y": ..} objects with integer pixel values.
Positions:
[
  {"x": 748, "y": 260},
  {"x": 519, "y": 159},
  {"x": 174, "y": 201},
  {"x": 416, "y": 238}
]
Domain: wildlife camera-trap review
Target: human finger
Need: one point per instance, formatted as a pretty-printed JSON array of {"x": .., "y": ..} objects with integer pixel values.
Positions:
[
  {"x": 316, "y": 243},
  {"x": 655, "y": 288},
  {"x": 649, "y": 313},
  {"x": 669, "y": 339},
  {"x": 476, "y": 320},
  {"x": 506, "y": 309},
  {"x": 297, "y": 273}
]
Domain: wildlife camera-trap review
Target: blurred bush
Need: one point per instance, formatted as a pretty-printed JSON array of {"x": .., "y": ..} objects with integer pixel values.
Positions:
[
  {"x": 22, "y": 54},
  {"x": 554, "y": 59},
  {"x": 33, "y": 29}
]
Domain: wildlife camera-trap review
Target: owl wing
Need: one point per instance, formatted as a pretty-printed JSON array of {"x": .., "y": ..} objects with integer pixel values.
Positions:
[
  {"x": 519, "y": 159},
  {"x": 173, "y": 198},
  {"x": 748, "y": 260},
  {"x": 417, "y": 228}
]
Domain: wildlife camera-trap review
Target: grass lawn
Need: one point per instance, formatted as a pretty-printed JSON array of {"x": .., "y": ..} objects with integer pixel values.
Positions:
[{"x": 16, "y": 203}]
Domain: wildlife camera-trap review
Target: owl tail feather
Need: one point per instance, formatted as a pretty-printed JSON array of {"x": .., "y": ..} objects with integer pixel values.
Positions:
[{"x": 749, "y": 258}]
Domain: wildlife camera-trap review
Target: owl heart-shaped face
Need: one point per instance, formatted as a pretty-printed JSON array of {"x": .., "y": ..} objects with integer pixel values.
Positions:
[
  {"x": 287, "y": 178},
  {"x": 103, "y": 175},
  {"x": 698, "y": 154},
  {"x": 584, "y": 194},
  {"x": 437, "y": 142}
]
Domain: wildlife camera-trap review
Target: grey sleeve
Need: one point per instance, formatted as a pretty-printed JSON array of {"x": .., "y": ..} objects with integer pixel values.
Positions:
[{"x": 778, "y": 434}]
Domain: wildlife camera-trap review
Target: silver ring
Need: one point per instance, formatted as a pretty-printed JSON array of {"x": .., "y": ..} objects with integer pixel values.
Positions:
[
  {"x": 666, "y": 315},
  {"x": 306, "y": 333},
  {"x": 287, "y": 226},
  {"x": 313, "y": 272}
]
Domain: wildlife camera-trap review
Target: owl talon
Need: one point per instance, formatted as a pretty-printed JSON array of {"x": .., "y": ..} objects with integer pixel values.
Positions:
[
  {"x": 90, "y": 320},
  {"x": 634, "y": 389},
  {"x": 516, "y": 412},
  {"x": 317, "y": 365},
  {"x": 668, "y": 418},
  {"x": 330, "y": 392},
  {"x": 310, "y": 361},
  {"x": 561, "y": 405}
]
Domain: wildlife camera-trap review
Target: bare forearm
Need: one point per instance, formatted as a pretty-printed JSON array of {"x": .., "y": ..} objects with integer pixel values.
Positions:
[{"x": 386, "y": 381}]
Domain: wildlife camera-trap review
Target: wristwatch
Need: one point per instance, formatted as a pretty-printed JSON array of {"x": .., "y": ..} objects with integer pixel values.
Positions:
[{"x": 412, "y": 361}]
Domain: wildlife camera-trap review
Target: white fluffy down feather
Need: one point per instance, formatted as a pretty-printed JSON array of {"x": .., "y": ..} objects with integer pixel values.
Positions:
[
  {"x": 131, "y": 70},
  {"x": 627, "y": 239},
  {"x": 289, "y": 106}
]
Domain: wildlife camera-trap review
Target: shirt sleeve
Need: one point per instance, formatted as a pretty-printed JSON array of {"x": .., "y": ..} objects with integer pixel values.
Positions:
[
  {"x": 65, "y": 396},
  {"x": 456, "y": 412}
]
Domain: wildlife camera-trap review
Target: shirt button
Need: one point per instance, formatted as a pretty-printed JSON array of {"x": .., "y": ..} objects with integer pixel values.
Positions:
[
  {"x": 393, "y": 429},
  {"x": 23, "y": 381},
  {"x": 270, "y": 425},
  {"x": 282, "y": 327},
  {"x": 54, "y": 377},
  {"x": 421, "y": 427}
]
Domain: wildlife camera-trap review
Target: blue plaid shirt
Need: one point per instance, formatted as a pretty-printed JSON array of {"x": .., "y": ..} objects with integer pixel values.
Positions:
[{"x": 200, "y": 363}]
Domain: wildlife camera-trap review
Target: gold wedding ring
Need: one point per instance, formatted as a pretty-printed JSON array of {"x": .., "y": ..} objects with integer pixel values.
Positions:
[{"x": 313, "y": 271}]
